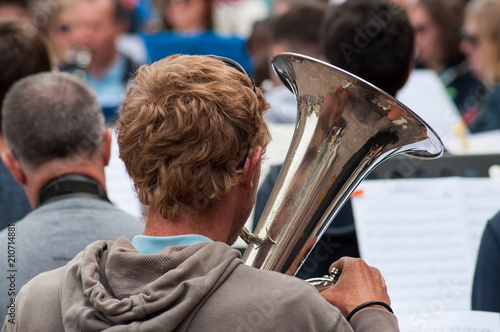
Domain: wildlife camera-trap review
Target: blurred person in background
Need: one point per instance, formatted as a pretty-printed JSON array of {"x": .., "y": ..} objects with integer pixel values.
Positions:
[
  {"x": 261, "y": 38},
  {"x": 143, "y": 16},
  {"x": 98, "y": 24},
  {"x": 296, "y": 30},
  {"x": 384, "y": 58},
  {"x": 55, "y": 20},
  {"x": 481, "y": 45},
  {"x": 436, "y": 24},
  {"x": 22, "y": 53},
  {"x": 185, "y": 16},
  {"x": 257, "y": 46},
  {"x": 187, "y": 28},
  {"x": 486, "y": 285},
  {"x": 58, "y": 149}
]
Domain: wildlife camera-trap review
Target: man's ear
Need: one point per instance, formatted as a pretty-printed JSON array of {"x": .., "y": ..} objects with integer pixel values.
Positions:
[
  {"x": 106, "y": 146},
  {"x": 14, "y": 167},
  {"x": 251, "y": 166}
]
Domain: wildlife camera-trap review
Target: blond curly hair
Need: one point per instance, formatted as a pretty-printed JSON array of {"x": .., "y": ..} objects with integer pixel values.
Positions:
[{"x": 185, "y": 125}]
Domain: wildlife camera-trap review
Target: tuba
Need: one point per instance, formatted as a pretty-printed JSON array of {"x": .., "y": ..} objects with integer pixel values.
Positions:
[{"x": 345, "y": 128}]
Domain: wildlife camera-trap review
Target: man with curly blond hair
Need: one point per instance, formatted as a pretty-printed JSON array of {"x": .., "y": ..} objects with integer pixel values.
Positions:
[
  {"x": 182, "y": 139},
  {"x": 191, "y": 134}
]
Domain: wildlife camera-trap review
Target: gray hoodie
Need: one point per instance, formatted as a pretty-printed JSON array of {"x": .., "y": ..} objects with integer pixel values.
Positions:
[{"x": 110, "y": 286}]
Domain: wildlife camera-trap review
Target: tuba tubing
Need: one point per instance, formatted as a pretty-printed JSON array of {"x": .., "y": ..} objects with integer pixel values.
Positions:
[{"x": 345, "y": 128}]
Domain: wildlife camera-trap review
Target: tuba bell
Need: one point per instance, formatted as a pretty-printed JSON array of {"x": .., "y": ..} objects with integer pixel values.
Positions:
[{"x": 345, "y": 128}]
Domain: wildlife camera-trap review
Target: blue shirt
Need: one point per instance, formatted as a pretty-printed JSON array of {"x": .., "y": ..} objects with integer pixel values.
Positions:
[
  {"x": 13, "y": 202},
  {"x": 110, "y": 88},
  {"x": 488, "y": 117},
  {"x": 162, "y": 44},
  {"x": 486, "y": 288},
  {"x": 153, "y": 244}
]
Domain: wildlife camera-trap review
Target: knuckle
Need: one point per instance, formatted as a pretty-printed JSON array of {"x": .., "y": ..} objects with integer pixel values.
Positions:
[
  {"x": 375, "y": 271},
  {"x": 360, "y": 263}
]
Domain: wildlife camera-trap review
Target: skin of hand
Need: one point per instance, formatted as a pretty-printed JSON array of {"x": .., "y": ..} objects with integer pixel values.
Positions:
[{"x": 358, "y": 283}]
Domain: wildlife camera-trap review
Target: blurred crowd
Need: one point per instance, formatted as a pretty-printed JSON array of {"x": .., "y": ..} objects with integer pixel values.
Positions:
[{"x": 105, "y": 41}]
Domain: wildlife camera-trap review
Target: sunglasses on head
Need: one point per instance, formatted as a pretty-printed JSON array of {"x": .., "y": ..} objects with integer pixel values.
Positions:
[{"x": 237, "y": 66}]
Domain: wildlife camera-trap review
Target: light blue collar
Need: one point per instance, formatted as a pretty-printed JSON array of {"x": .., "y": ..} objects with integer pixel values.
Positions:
[
  {"x": 153, "y": 244},
  {"x": 110, "y": 88}
]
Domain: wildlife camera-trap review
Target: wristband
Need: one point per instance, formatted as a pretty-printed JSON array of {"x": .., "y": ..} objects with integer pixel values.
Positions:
[{"x": 366, "y": 304}]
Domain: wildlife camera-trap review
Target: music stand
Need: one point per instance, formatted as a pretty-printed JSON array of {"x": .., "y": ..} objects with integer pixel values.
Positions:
[{"x": 340, "y": 238}]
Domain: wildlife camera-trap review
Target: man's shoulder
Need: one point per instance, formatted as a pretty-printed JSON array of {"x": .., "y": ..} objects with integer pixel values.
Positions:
[
  {"x": 494, "y": 225},
  {"x": 48, "y": 281},
  {"x": 275, "y": 285},
  {"x": 83, "y": 205},
  {"x": 43, "y": 290},
  {"x": 492, "y": 100},
  {"x": 92, "y": 218},
  {"x": 269, "y": 301}
]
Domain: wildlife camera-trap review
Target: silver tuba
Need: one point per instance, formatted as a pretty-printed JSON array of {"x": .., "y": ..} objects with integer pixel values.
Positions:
[{"x": 345, "y": 128}]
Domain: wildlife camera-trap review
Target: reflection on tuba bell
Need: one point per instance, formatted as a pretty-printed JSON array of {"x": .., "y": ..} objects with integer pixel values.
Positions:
[{"x": 345, "y": 128}]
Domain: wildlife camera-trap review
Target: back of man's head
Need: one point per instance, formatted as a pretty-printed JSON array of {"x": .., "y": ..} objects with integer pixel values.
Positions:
[
  {"x": 184, "y": 128},
  {"x": 372, "y": 39},
  {"x": 52, "y": 116},
  {"x": 298, "y": 28},
  {"x": 22, "y": 53}
]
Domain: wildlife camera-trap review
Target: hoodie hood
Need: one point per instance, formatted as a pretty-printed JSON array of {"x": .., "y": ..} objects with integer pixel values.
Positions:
[{"x": 111, "y": 286}]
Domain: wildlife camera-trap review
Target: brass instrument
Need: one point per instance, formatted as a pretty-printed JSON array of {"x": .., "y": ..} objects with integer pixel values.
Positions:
[{"x": 345, "y": 128}]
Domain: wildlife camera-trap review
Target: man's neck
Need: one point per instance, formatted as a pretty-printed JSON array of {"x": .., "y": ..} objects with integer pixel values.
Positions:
[
  {"x": 221, "y": 221},
  {"x": 37, "y": 179},
  {"x": 3, "y": 146},
  {"x": 211, "y": 222},
  {"x": 100, "y": 65}
]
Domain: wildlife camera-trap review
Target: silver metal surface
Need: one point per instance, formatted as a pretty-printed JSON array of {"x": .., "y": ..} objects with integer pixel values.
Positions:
[
  {"x": 326, "y": 281},
  {"x": 345, "y": 128}
]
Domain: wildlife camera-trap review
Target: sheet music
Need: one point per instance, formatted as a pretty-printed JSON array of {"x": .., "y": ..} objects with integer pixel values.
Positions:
[
  {"x": 425, "y": 94},
  {"x": 423, "y": 235},
  {"x": 451, "y": 321},
  {"x": 119, "y": 185}
]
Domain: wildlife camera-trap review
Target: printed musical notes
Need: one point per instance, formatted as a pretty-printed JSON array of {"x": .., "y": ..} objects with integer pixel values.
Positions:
[{"x": 423, "y": 235}]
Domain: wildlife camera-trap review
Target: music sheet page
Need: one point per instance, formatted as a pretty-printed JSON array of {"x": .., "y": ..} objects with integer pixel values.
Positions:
[
  {"x": 119, "y": 185},
  {"x": 425, "y": 94},
  {"x": 451, "y": 321},
  {"x": 423, "y": 235}
]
